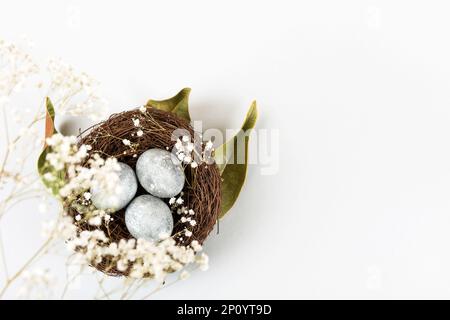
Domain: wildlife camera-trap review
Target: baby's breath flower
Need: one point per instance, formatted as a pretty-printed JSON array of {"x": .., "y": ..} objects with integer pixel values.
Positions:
[
  {"x": 95, "y": 221},
  {"x": 189, "y": 153},
  {"x": 136, "y": 122},
  {"x": 203, "y": 261},
  {"x": 126, "y": 142},
  {"x": 65, "y": 81},
  {"x": 196, "y": 246}
]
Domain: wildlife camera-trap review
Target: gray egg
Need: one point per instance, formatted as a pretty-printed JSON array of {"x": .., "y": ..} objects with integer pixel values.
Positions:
[
  {"x": 160, "y": 173},
  {"x": 119, "y": 198},
  {"x": 148, "y": 217}
]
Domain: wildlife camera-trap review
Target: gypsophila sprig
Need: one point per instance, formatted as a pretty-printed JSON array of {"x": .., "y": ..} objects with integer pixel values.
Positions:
[
  {"x": 193, "y": 153},
  {"x": 139, "y": 258},
  {"x": 16, "y": 66},
  {"x": 64, "y": 168},
  {"x": 73, "y": 93},
  {"x": 76, "y": 92}
]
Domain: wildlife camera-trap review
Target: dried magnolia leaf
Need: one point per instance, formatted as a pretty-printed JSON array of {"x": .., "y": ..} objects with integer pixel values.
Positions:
[
  {"x": 233, "y": 173},
  {"x": 49, "y": 131},
  {"x": 178, "y": 104}
]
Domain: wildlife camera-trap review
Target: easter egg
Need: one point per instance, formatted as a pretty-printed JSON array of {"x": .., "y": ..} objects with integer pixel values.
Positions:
[
  {"x": 148, "y": 217},
  {"x": 121, "y": 195},
  {"x": 160, "y": 173}
]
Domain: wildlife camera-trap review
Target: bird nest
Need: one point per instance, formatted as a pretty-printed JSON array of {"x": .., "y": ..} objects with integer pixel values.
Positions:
[{"x": 202, "y": 189}]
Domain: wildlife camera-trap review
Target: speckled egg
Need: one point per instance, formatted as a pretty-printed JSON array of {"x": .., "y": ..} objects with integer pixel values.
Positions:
[
  {"x": 160, "y": 173},
  {"x": 119, "y": 198},
  {"x": 148, "y": 217}
]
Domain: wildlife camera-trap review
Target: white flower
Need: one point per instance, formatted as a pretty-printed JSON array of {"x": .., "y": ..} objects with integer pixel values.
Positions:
[
  {"x": 191, "y": 212},
  {"x": 191, "y": 153},
  {"x": 187, "y": 159},
  {"x": 193, "y": 222},
  {"x": 77, "y": 91},
  {"x": 209, "y": 145},
  {"x": 139, "y": 133},
  {"x": 122, "y": 265},
  {"x": 196, "y": 246},
  {"x": 172, "y": 200},
  {"x": 203, "y": 261},
  {"x": 143, "y": 109},
  {"x": 17, "y": 67},
  {"x": 184, "y": 275},
  {"x": 136, "y": 122},
  {"x": 95, "y": 221},
  {"x": 187, "y": 233},
  {"x": 87, "y": 195},
  {"x": 62, "y": 228},
  {"x": 180, "y": 156},
  {"x": 180, "y": 201},
  {"x": 126, "y": 142}
]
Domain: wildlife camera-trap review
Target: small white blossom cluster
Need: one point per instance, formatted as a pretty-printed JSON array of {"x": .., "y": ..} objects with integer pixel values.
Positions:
[
  {"x": 16, "y": 67},
  {"x": 66, "y": 84},
  {"x": 64, "y": 151},
  {"x": 61, "y": 228},
  {"x": 64, "y": 161},
  {"x": 137, "y": 124},
  {"x": 139, "y": 258},
  {"x": 88, "y": 213},
  {"x": 192, "y": 153},
  {"x": 187, "y": 216},
  {"x": 73, "y": 179}
]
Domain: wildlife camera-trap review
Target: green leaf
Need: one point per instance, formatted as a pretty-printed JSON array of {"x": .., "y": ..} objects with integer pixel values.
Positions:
[
  {"x": 50, "y": 130},
  {"x": 233, "y": 173},
  {"x": 178, "y": 104}
]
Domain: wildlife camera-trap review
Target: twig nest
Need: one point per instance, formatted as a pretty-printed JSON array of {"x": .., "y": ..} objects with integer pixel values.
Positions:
[
  {"x": 201, "y": 189},
  {"x": 149, "y": 218},
  {"x": 160, "y": 173},
  {"x": 118, "y": 197}
]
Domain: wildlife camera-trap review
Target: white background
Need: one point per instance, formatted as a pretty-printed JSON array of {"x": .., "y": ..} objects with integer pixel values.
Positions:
[{"x": 359, "y": 91}]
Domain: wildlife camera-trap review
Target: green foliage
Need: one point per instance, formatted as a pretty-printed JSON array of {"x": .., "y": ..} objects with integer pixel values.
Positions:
[
  {"x": 42, "y": 165},
  {"x": 178, "y": 104},
  {"x": 232, "y": 169}
]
